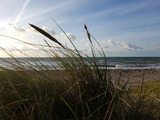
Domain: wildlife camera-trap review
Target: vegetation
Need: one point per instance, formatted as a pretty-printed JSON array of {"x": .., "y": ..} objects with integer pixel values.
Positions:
[{"x": 77, "y": 89}]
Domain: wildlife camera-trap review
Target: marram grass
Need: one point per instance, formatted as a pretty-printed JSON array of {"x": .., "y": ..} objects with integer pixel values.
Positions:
[{"x": 76, "y": 91}]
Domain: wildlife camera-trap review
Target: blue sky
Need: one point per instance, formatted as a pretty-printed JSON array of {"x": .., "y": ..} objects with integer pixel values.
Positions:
[{"x": 122, "y": 27}]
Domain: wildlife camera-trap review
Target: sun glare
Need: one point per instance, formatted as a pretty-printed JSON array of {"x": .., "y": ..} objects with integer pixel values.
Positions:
[{"x": 7, "y": 30}]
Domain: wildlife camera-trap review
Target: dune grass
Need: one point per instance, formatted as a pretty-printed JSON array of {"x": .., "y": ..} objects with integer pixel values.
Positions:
[
  {"x": 152, "y": 87},
  {"x": 78, "y": 89}
]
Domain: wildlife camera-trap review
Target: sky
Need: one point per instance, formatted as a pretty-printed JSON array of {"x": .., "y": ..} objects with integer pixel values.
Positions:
[{"x": 122, "y": 27}]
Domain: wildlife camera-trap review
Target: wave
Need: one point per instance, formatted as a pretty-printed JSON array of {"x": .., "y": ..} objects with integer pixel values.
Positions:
[{"x": 149, "y": 66}]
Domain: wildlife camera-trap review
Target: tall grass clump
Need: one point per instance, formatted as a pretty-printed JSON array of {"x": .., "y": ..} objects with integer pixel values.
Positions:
[{"x": 77, "y": 88}]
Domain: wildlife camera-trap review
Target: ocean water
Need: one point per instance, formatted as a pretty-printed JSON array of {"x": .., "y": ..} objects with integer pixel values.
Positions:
[
  {"x": 112, "y": 63},
  {"x": 134, "y": 62}
]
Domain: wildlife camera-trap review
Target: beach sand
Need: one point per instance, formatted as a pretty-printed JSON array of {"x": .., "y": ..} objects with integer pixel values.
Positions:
[{"x": 135, "y": 76}]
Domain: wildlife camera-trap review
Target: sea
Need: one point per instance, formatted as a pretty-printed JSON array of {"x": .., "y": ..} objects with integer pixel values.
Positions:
[{"x": 112, "y": 63}]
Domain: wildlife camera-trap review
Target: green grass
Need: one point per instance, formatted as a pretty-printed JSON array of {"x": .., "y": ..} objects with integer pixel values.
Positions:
[
  {"x": 76, "y": 92},
  {"x": 45, "y": 95},
  {"x": 144, "y": 101},
  {"x": 152, "y": 86}
]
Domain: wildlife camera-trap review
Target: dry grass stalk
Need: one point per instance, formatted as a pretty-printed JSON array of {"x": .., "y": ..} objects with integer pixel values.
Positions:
[
  {"x": 87, "y": 32},
  {"x": 46, "y": 34}
]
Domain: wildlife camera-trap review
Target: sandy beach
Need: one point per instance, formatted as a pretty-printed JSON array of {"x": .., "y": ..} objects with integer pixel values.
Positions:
[{"x": 135, "y": 76}]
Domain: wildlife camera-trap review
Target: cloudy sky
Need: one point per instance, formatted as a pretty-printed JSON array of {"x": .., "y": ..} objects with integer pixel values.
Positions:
[{"x": 122, "y": 27}]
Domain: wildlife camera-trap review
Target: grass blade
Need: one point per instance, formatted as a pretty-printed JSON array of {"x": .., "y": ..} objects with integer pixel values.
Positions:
[{"x": 46, "y": 34}]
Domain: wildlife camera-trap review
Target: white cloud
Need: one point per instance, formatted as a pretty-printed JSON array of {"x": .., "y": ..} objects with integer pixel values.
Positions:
[
  {"x": 19, "y": 29},
  {"x": 71, "y": 36},
  {"x": 129, "y": 46},
  {"x": 124, "y": 45},
  {"x": 31, "y": 30},
  {"x": 22, "y": 29},
  {"x": 49, "y": 30},
  {"x": 110, "y": 42}
]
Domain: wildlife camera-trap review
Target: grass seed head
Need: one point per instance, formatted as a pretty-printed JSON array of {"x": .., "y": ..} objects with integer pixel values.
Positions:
[{"x": 46, "y": 34}]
